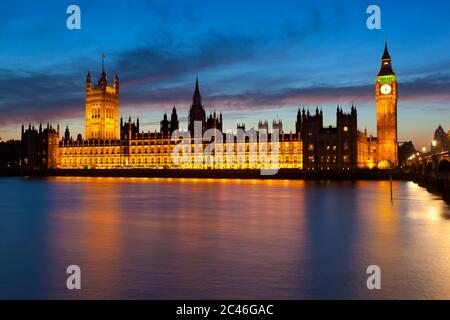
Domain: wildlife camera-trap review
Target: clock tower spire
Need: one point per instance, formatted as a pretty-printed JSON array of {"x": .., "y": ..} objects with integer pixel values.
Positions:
[{"x": 386, "y": 105}]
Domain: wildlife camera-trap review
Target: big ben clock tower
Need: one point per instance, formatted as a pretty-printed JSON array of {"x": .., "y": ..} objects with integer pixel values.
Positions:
[{"x": 386, "y": 105}]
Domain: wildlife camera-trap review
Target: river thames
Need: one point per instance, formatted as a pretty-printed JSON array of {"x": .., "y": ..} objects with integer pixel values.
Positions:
[{"x": 143, "y": 238}]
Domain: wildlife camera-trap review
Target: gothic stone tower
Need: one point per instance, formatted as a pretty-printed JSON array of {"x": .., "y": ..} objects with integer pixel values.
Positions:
[
  {"x": 197, "y": 111},
  {"x": 386, "y": 105},
  {"x": 102, "y": 108}
]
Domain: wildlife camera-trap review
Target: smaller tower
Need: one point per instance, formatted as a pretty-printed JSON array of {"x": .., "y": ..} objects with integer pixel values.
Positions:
[
  {"x": 165, "y": 130},
  {"x": 277, "y": 125},
  {"x": 298, "y": 123},
  {"x": 197, "y": 111},
  {"x": 67, "y": 134},
  {"x": 174, "y": 124},
  {"x": 263, "y": 125}
]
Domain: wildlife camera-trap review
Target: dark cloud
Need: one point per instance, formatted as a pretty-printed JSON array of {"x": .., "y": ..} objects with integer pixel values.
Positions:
[
  {"x": 41, "y": 97},
  {"x": 149, "y": 73},
  {"x": 153, "y": 73}
]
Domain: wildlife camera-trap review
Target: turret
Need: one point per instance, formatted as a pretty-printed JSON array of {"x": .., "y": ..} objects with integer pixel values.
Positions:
[
  {"x": 164, "y": 128},
  {"x": 298, "y": 123},
  {"x": 197, "y": 98},
  {"x": 67, "y": 134},
  {"x": 196, "y": 112},
  {"x": 174, "y": 124}
]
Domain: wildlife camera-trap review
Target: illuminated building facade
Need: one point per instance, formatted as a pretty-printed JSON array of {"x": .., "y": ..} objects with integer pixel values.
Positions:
[
  {"x": 110, "y": 143},
  {"x": 139, "y": 149},
  {"x": 102, "y": 108},
  {"x": 333, "y": 148},
  {"x": 386, "y": 105}
]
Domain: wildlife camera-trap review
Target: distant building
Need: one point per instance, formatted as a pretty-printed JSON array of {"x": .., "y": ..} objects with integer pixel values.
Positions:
[
  {"x": 40, "y": 148},
  {"x": 441, "y": 140},
  {"x": 405, "y": 150},
  {"x": 333, "y": 148}
]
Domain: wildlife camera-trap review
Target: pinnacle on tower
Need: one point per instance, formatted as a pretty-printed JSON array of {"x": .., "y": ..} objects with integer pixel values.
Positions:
[
  {"x": 197, "y": 98},
  {"x": 386, "y": 55}
]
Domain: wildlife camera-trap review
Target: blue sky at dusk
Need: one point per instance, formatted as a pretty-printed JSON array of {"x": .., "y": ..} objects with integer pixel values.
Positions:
[{"x": 256, "y": 60}]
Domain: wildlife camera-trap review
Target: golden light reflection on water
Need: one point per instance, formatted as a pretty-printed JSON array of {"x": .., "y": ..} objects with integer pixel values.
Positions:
[
  {"x": 91, "y": 233},
  {"x": 220, "y": 238}
]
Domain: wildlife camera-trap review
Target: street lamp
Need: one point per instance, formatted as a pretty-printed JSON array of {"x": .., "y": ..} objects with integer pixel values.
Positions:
[
  {"x": 434, "y": 143},
  {"x": 424, "y": 149}
]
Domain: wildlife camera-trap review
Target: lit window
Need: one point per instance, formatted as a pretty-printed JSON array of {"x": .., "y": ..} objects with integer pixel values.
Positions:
[{"x": 345, "y": 129}]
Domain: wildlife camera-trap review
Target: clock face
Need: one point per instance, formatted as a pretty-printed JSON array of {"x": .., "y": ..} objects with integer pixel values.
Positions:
[{"x": 386, "y": 89}]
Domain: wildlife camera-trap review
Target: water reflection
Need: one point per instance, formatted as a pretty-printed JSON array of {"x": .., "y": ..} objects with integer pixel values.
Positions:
[{"x": 194, "y": 238}]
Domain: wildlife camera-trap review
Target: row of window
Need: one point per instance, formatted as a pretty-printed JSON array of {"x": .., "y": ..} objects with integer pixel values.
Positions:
[
  {"x": 329, "y": 159},
  {"x": 153, "y": 150},
  {"x": 311, "y": 147},
  {"x": 165, "y": 160}
]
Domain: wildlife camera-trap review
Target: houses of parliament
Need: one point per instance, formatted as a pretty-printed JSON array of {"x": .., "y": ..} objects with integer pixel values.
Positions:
[{"x": 111, "y": 142}]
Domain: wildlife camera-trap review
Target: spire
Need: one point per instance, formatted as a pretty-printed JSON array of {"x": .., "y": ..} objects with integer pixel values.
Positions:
[
  {"x": 103, "y": 76},
  {"x": 386, "y": 66},
  {"x": 386, "y": 55},
  {"x": 197, "y": 98}
]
